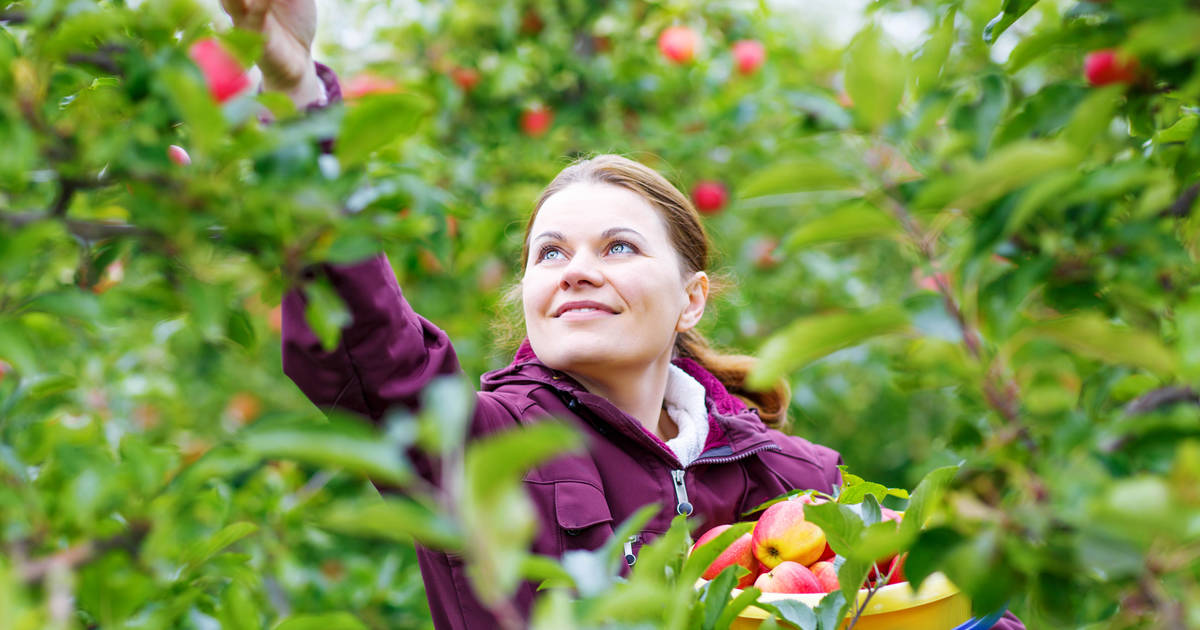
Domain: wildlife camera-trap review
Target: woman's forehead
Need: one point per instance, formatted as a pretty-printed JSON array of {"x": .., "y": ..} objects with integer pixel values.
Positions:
[{"x": 594, "y": 209}]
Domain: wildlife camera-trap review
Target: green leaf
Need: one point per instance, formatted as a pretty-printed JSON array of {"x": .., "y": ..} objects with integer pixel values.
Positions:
[
  {"x": 447, "y": 404},
  {"x": 74, "y": 304},
  {"x": 1182, "y": 130},
  {"x": 377, "y": 120},
  {"x": 1092, "y": 335},
  {"x": 810, "y": 338},
  {"x": 227, "y": 536},
  {"x": 743, "y": 601},
  {"x": 925, "y": 497},
  {"x": 1010, "y": 12},
  {"x": 1007, "y": 169},
  {"x": 322, "y": 621},
  {"x": 1092, "y": 117},
  {"x": 345, "y": 444},
  {"x": 792, "y": 611},
  {"x": 851, "y": 575},
  {"x": 393, "y": 518},
  {"x": 876, "y": 74},
  {"x": 503, "y": 458},
  {"x": 717, "y": 596},
  {"x": 205, "y": 124},
  {"x": 703, "y": 556},
  {"x": 853, "y": 221},
  {"x": 928, "y": 61},
  {"x": 831, "y": 611},
  {"x": 796, "y": 175},
  {"x": 239, "y": 328},
  {"x": 325, "y": 312},
  {"x": 929, "y": 552},
  {"x": 842, "y": 525}
]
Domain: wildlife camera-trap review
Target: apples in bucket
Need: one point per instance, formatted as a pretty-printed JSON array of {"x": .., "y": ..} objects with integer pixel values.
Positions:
[{"x": 843, "y": 554}]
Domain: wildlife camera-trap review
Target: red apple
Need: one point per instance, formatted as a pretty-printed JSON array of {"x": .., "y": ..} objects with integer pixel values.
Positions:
[
  {"x": 224, "y": 74},
  {"x": 678, "y": 43},
  {"x": 789, "y": 577},
  {"x": 1105, "y": 67},
  {"x": 465, "y": 78},
  {"x": 367, "y": 83},
  {"x": 536, "y": 120},
  {"x": 749, "y": 55},
  {"x": 178, "y": 155},
  {"x": 781, "y": 534},
  {"x": 710, "y": 196},
  {"x": 826, "y": 575},
  {"x": 738, "y": 552}
]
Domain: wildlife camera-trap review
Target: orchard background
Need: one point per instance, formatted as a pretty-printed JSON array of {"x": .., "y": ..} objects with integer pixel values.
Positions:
[{"x": 973, "y": 246}]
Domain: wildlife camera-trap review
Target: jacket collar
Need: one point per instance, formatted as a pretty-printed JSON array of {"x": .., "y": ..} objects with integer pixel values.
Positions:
[{"x": 732, "y": 426}]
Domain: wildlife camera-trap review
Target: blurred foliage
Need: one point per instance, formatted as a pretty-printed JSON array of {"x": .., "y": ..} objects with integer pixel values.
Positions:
[{"x": 997, "y": 259}]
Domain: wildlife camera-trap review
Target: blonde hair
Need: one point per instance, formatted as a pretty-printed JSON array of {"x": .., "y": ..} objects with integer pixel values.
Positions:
[{"x": 691, "y": 243}]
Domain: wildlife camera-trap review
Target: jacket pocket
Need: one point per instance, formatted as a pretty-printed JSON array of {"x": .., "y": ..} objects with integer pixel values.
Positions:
[{"x": 582, "y": 514}]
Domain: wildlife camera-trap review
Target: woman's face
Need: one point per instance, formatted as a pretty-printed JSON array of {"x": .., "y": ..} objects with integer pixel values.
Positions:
[{"x": 603, "y": 287}]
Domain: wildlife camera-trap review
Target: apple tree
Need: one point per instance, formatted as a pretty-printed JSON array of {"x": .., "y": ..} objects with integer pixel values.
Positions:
[{"x": 974, "y": 248}]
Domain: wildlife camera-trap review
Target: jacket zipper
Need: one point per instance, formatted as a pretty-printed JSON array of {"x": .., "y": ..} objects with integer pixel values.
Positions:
[
  {"x": 682, "y": 505},
  {"x": 630, "y": 557},
  {"x": 734, "y": 458}
]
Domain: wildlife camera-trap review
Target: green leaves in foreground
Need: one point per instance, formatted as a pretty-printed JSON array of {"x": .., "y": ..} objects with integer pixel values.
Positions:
[
  {"x": 377, "y": 120},
  {"x": 810, "y": 338}
]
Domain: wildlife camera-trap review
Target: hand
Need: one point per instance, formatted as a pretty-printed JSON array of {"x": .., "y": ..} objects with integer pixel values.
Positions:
[{"x": 288, "y": 27}]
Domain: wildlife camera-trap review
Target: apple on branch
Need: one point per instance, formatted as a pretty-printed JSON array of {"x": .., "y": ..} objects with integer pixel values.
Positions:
[
  {"x": 678, "y": 44},
  {"x": 225, "y": 76}
]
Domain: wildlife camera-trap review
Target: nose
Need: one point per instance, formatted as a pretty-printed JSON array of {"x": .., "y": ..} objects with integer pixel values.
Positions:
[{"x": 583, "y": 269}]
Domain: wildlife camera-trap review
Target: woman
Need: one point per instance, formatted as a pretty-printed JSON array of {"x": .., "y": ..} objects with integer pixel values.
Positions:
[{"x": 613, "y": 284}]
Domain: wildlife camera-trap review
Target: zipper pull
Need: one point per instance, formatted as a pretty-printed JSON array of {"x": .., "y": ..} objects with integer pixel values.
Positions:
[
  {"x": 682, "y": 505},
  {"x": 629, "y": 557}
]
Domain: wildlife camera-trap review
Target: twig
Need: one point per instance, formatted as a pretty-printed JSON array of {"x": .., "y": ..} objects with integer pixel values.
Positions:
[
  {"x": 13, "y": 17},
  {"x": 1000, "y": 392},
  {"x": 1182, "y": 206},
  {"x": 71, "y": 557},
  {"x": 1161, "y": 397},
  {"x": 86, "y": 230}
]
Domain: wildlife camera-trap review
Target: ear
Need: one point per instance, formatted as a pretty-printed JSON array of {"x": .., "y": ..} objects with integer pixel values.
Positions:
[{"x": 696, "y": 290}]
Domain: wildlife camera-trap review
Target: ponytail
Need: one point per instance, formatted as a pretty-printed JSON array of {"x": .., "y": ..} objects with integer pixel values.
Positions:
[{"x": 731, "y": 370}]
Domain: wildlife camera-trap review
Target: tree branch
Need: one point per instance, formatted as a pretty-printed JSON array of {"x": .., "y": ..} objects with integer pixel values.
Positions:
[
  {"x": 13, "y": 17},
  {"x": 77, "y": 555},
  {"x": 86, "y": 230},
  {"x": 1182, "y": 206}
]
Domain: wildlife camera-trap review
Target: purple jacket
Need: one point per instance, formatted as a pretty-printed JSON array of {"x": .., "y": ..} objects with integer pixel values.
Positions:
[{"x": 389, "y": 353}]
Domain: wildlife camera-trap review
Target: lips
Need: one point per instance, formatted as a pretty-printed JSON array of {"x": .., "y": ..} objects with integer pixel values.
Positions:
[{"x": 580, "y": 305}]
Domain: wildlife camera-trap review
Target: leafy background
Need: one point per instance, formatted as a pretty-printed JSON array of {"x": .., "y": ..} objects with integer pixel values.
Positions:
[{"x": 955, "y": 248}]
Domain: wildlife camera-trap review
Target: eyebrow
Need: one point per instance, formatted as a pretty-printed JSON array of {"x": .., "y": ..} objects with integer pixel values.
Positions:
[{"x": 610, "y": 232}]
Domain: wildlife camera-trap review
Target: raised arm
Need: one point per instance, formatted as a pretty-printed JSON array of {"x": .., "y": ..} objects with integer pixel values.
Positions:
[
  {"x": 386, "y": 355},
  {"x": 288, "y": 26}
]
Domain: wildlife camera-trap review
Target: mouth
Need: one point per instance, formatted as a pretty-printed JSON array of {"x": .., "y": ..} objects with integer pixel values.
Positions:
[{"x": 583, "y": 308}]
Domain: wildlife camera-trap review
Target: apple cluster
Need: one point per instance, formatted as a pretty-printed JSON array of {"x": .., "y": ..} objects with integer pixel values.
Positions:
[{"x": 786, "y": 553}]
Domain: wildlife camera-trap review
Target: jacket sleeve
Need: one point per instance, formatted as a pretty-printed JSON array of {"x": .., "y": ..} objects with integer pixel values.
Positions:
[{"x": 386, "y": 355}]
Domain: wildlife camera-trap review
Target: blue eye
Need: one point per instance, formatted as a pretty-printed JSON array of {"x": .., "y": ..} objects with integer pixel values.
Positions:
[
  {"x": 544, "y": 254},
  {"x": 613, "y": 249}
]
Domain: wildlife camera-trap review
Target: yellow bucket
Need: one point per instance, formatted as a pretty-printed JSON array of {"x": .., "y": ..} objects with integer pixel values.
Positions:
[{"x": 938, "y": 605}]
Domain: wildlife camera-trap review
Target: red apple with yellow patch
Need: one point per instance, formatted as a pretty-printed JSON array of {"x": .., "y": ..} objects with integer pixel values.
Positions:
[{"x": 782, "y": 534}]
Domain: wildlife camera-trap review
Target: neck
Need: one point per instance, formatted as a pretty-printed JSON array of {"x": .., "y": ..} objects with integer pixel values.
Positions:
[{"x": 637, "y": 392}]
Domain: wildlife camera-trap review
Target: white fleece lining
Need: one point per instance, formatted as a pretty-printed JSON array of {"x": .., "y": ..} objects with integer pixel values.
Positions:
[{"x": 684, "y": 401}]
